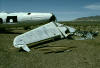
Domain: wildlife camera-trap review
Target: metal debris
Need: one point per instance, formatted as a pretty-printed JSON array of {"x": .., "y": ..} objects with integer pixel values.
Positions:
[{"x": 84, "y": 35}]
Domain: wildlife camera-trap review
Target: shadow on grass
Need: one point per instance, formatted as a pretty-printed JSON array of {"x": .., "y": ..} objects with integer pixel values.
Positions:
[
  {"x": 69, "y": 49},
  {"x": 8, "y": 32},
  {"x": 40, "y": 44},
  {"x": 49, "y": 51}
]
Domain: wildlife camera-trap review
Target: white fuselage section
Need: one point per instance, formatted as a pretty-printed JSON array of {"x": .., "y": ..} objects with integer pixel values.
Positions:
[{"x": 22, "y": 16}]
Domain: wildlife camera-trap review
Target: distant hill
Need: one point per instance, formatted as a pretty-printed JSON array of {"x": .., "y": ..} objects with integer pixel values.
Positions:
[{"x": 90, "y": 18}]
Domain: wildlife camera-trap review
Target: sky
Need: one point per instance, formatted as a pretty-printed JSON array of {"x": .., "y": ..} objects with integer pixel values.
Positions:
[{"x": 64, "y": 10}]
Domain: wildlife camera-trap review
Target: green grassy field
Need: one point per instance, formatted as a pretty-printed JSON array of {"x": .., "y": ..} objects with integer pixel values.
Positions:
[{"x": 58, "y": 54}]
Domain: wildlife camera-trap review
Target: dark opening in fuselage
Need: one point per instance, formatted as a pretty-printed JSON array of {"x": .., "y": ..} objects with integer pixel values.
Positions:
[
  {"x": 1, "y": 21},
  {"x": 11, "y": 19}
]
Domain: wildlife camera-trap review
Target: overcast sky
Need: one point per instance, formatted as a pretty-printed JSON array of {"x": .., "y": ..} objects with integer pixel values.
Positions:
[{"x": 63, "y": 9}]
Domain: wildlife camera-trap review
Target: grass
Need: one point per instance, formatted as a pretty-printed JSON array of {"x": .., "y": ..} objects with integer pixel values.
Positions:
[{"x": 58, "y": 54}]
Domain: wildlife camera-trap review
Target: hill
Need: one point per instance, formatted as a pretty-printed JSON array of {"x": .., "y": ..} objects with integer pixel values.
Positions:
[{"x": 90, "y": 18}]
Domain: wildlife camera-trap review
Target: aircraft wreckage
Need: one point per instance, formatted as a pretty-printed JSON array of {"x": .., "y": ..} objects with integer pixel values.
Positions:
[{"x": 47, "y": 31}]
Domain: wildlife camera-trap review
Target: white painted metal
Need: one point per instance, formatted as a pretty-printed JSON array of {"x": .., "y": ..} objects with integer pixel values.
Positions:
[
  {"x": 22, "y": 16},
  {"x": 46, "y": 31}
]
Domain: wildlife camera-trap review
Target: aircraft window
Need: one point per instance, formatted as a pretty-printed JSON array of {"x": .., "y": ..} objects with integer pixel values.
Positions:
[{"x": 28, "y": 13}]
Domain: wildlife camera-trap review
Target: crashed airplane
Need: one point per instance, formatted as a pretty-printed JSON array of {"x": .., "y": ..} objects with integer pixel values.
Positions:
[
  {"x": 6, "y": 18},
  {"x": 47, "y": 31},
  {"x": 9, "y": 20}
]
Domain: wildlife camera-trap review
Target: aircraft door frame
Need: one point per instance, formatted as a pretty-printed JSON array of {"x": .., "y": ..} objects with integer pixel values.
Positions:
[{"x": 11, "y": 19}]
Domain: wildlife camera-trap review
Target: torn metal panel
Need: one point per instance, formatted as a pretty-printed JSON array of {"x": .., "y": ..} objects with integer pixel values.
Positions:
[{"x": 46, "y": 31}]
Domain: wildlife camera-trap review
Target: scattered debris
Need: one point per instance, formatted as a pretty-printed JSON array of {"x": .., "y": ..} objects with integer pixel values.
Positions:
[{"x": 84, "y": 35}]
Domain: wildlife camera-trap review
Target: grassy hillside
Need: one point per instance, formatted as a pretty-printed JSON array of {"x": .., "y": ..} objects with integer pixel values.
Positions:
[{"x": 90, "y": 18}]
